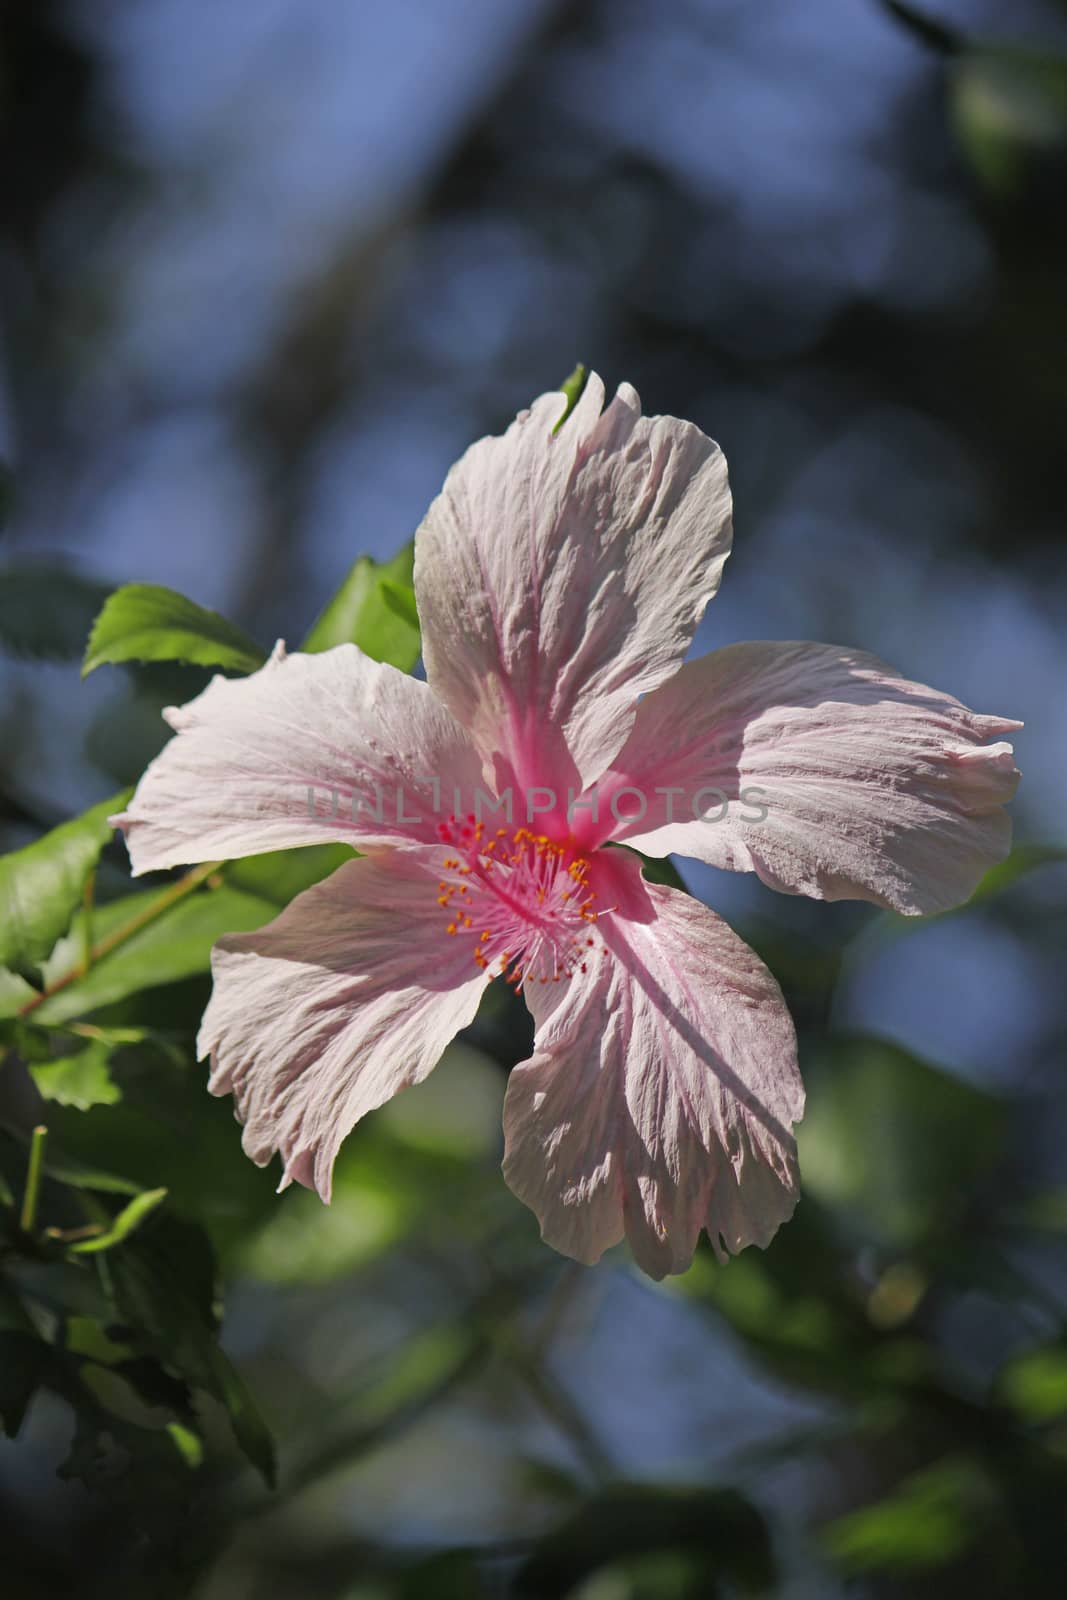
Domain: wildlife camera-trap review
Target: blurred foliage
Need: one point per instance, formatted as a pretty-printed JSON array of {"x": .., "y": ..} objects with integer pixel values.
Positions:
[
  {"x": 1008, "y": 104},
  {"x": 47, "y": 614},
  {"x": 649, "y": 1536}
]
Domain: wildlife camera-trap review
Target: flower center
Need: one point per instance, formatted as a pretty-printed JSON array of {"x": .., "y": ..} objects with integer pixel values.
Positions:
[{"x": 523, "y": 899}]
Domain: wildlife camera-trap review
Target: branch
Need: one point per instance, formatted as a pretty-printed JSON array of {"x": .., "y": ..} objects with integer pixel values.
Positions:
[{"x": 162, "y": 902}]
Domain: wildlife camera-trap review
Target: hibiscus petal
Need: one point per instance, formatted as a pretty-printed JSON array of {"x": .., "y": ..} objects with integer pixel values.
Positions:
[
  {"x": 561, "y": 575},
  {"x": 336, "y": 732},
  {"x": 661, "y": 1094},
  {"x": 348, "y": 996},
  {"x": 837, "y": 778}
]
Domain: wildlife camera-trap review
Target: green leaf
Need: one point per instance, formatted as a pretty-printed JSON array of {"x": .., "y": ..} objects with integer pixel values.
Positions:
[
  {"x": 657, "y": 869},
  {"x": 1009, "y": 107},
  {"x": 280, "y": 875},
  {"x": 128, "y": 1219},
  {"x": 164, "y": 1113},
  {"x": 927, "y": 1522},
  {"x": 400, "y": 598},
  {"x": 1024, "y": 859},
  {"x": 164, "y": 1287},
  {"x": 80, "y": 1080},
  {"x": 76, "y": 1174},
  {"x": 41, "y": 885},
  {"x": 571, "y": 388},
  {"x": 175, "y": 946},
  {"x": 144, "y": 622},
  {"x": 85, "y": 1337},
  {"x": 374, "y": 608},
  {"x": 61, "y": 1165},
  {"x": 249, "y": 1428},
  {"x": 15, "y": 991},
  {"x": 138, "y": 1468},
  {"x": 188, "y": 1444},
  {"x": 45, "y": 614},
  {"x": 1035, "y": 1384}
]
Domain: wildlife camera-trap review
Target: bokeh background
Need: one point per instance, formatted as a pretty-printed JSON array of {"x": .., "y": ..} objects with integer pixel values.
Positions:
[{"x": 266, "y": 268}]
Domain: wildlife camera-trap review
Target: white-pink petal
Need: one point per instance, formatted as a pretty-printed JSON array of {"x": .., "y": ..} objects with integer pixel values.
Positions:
[
  {"x": 309, "y": 749},
  {"x": 561, "y": 575},
  {"x": 661, "y": 1094},
  {"x": 350, "y": 995},
  {"x": 841, "y": 780}
]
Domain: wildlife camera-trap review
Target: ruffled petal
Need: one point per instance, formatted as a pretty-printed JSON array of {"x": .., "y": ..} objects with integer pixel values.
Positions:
[
  {"x": 349, "y": 996},
  {"x": 310, "y": 748},
  {"x": 821, "y": 770},
  {"x": 661, "y": 1093},
  {"x": 561, "y": 575}
]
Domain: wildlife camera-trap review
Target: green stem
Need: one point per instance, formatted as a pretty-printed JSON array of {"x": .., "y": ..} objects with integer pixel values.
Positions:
[
  {"x": 103, "y": 947},
  {"x": 28, "y": 1216}
]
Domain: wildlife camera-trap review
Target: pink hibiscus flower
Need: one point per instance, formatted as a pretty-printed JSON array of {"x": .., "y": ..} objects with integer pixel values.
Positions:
[{"x": 560, "y": 577}]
